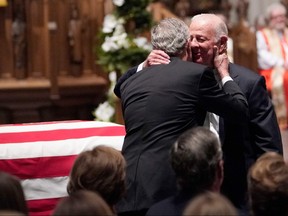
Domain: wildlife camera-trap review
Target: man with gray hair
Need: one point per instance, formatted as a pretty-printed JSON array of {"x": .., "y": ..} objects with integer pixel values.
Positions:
[
  {"x": 162, "y": 102},
  {"x": 196, "y": 158},
  {"x": 243, "y": 143},
  {"x": 272, "y": 52}
]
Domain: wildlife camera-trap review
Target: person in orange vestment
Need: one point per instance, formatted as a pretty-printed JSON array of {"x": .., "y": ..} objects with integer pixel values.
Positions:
[{"x": 272, "y": 49}]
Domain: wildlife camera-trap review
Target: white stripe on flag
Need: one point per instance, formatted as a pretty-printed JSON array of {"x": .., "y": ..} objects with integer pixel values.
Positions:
[
  {"x": 45, "y": 188},
  {"x": 54, "y": 126},
  {"x": 57, "y": 148}
]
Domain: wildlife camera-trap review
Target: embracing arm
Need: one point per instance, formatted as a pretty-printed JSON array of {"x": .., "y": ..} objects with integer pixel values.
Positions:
[
  {"x": 227, "y": 101},
  {"x": 122, "y": 79},
  {"x": 155, "y": 57}
]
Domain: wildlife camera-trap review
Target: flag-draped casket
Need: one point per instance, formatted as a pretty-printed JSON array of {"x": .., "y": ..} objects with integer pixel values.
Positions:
[{"x": 42, "y": 154}]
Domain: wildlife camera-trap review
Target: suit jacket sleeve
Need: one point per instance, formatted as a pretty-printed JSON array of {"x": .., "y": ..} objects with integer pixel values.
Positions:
[
  {"x": 228, "y": 102},
  {"x": 122, "y": 79},
  {"x": 263, "y": 121}
]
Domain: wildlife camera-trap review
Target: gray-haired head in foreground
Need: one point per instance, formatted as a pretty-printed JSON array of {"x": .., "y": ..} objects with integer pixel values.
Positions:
[
  {"x": 195, "y": 158},
  {"x": 170, "y": 35}
]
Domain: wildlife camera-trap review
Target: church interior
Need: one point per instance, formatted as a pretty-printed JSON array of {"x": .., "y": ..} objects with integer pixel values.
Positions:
[
  {"x": 48, "y": 60},
  {"x": 59, "y": 62},
  {"x": 44, "y": 75}
]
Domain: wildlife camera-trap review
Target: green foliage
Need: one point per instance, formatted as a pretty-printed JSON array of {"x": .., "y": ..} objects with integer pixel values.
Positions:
[
  {"x": 124, "y": 52},
  {"x": 136, "y": 10}
]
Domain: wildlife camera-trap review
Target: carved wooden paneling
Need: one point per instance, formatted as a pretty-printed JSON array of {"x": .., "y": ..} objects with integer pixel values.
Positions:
[
  {"x": 36, "y": 38},
  {"x": 19, "y": 39},
  {"x": 6, "y": 50},
  {"x": 39, "y": 79},
  {"x": 97, "y": 17},
  {"x": 59, "y": 19}
]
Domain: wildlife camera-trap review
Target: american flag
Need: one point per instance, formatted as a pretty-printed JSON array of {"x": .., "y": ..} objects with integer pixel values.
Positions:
[{"x": 42, "y": 154}]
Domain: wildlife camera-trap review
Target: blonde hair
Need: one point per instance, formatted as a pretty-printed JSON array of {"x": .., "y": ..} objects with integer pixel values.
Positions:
[
  {"x": 210, "y": 203},
  {"x": 82, "y": 202},
  {"x": 268, "y": 185}
]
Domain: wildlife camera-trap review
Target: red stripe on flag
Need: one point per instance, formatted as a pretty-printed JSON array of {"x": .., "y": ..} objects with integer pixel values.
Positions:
[
  {"x": 42, "y": 207},
  {"x": 44, "y": 167},
  {"x": 42, "y": 123},
  {"x": 62, "y": 134}
]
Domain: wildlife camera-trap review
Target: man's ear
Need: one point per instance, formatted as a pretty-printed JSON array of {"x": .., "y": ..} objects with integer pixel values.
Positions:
[
  {"x": 221, "y": 171},
  {"x": 223, "y": 44},
  {"x": 218, "y": 177},
  {"x": 188, "y": 52}
]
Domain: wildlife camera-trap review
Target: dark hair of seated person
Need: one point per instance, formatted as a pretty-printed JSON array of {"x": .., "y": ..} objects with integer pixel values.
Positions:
[
  {"x": 82, "y": 202},
  {"x": 100, "y": 170},
  {"x": 12, "y": 196}
]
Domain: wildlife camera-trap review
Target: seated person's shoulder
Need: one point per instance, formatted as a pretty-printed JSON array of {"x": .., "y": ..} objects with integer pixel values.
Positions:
[{"x": 169, "y": 206}]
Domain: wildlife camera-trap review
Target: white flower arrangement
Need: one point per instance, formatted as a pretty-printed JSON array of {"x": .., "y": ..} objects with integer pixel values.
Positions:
[
  {"x": 106, "y": 111},
  {"x": 119, "y": 3},
  {"x": 118, "y": 49}
]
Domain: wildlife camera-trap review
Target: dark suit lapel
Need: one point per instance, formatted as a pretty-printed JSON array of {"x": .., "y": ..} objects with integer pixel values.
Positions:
[{"x": 233, "y": 74}]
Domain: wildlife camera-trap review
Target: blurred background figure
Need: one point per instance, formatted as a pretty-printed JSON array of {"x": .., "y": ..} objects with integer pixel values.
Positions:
[
  {"x": 76, "y": 36},
  {"x": 260, "y": 23},
  {"x": 19, "y": 39},
  {"x": 244, "y": 39},
  {"x": 210, "y": 203},
  {"x": 101, "y": 170},
  {"x": 182, "y": 10},
  {"x": 160, "y": 10},
  {"x": 82, "y": 202},
  {"x": 272, "y": 49},
  {"x": 11, "y": 194},
  {"x": 268, "y": 186}
]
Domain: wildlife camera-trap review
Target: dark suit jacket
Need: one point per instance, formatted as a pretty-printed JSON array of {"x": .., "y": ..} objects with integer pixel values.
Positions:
[
  {"x": 158, "y": 105},
  {"x": 171, "y": 206},
  {"x": 175, "y": 205},
  {"x": 243, "y": 144}
]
